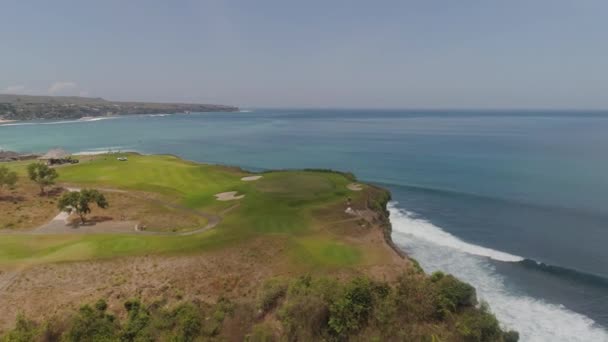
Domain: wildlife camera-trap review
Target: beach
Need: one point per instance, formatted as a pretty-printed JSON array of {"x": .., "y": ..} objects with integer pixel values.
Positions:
[{"x": 3, "y": 121}]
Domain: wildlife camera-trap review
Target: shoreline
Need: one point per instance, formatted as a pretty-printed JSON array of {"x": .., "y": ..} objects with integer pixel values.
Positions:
[{"x": 5, "y": 121}]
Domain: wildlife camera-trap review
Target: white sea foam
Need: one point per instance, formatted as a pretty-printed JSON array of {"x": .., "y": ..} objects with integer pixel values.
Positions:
[
  {"x": 535, "y": 319},
  {"x": 102, "y": 150},
  {"x": 423, "y": 229},
  {"x": 93, "y": 119},
  {"x": 62, "y": 122}
]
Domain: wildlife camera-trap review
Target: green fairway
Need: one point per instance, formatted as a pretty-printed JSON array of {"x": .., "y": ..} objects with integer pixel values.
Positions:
[{"x": 279, "y": 204}]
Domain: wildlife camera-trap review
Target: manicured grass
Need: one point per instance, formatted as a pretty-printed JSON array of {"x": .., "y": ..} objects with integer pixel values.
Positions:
[
  {"x": 320, "y": 251},
  {"x": 281, "y": 203},
  {"x": 161, "y": 174}
]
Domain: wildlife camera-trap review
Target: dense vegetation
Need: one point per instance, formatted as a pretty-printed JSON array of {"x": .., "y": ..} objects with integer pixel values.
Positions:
[
  {"x": 25, "y": 107},
  {"x": 416, "y": 308}
]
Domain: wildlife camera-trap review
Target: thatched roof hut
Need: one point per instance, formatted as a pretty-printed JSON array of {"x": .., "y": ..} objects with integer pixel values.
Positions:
[{"x": 55, "y": 154}]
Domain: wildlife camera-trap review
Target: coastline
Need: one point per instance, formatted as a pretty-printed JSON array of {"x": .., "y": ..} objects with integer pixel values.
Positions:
[{"x": 4, "y": 121}]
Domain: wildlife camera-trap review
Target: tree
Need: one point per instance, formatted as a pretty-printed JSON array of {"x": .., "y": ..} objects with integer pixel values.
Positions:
[
  {"x": 42, "y": 175},
  {"x": 79, "y": 202},
  {"x": 7, "y": 177}
]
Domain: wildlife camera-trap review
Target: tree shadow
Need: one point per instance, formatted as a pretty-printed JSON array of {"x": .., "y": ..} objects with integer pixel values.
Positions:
[
  {"x": 54, "y": 192},
  {"x": 90, "y": 221}
]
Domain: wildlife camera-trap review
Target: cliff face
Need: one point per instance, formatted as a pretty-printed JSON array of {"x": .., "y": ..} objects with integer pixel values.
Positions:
[{"x": 24, "y": 107}]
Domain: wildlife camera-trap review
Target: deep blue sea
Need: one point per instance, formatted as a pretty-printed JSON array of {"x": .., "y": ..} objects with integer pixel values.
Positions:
[{"x": 514, "y": 202}]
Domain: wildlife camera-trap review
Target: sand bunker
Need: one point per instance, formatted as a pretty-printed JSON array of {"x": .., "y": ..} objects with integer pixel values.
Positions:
[
  {"x": 228, "y": 196},
  {"x": 250, "y": 178},
  {"x": 355, "y": 187}
]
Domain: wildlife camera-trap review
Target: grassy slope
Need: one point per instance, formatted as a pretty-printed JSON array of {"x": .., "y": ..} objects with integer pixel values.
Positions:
[{"x": 281, "y": 204}]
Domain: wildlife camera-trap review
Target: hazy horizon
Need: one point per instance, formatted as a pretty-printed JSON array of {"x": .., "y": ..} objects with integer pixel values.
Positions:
[{"x": 271, "y": 54}]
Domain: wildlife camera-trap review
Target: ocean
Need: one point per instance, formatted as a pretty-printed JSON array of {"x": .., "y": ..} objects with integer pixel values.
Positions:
[{"x": 513, "y": 202}]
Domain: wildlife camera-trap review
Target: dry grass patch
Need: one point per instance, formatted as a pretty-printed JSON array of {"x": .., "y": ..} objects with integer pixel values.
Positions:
[
  {"x": 152, "y": 215},
  {"x": 23, "y": 207}
]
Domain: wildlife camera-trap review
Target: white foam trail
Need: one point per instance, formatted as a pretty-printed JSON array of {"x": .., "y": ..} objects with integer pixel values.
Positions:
[
  {"x": 423, "y": 229},
  {"x": 534, "y": 319},
  {"x": 63, "y": 122},
  {"x": 245, "y": 111},
  {"x": 102, "y": 150},
  {"x": 93, "y": 119}
]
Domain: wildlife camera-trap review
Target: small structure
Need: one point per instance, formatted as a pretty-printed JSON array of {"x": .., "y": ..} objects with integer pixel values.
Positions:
[{"x": 57, "y": 156}]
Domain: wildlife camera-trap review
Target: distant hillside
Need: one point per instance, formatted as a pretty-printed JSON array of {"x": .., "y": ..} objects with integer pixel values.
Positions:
[{"x": 27, "y": 107}]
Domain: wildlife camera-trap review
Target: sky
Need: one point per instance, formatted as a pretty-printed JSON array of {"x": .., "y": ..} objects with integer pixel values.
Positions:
[{"x": 314, "y": 53}]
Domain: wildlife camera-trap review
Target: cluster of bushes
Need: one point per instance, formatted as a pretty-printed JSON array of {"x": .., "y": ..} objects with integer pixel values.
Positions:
[
  {"x": 185, "y": 322},
  {"x": 415, "y": 308}
]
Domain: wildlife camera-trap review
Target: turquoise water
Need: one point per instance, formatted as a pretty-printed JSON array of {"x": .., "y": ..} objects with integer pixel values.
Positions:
[{"x": 513, "y": 202}]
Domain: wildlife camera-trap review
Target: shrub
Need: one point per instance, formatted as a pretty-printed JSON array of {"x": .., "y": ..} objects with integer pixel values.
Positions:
[
  {"x": 414, "y": 297},
  {"x": 452, "y": 294},
  {"x": 304, "y": 317},
  {"x": 213, "y": 324},
  {"x": 511, "y": 336},
  {"x": 101, "y": 305},
  {"x": 138, "y": 321},
  {"x": 272, "y": 291},
  {"x": 479, "y": 325},
  {"x": 92, "y": 325},
  {"x": 187, "y": 320},
  {"x": 351, "y": 310},
  {"x": 24, "y": 331}
]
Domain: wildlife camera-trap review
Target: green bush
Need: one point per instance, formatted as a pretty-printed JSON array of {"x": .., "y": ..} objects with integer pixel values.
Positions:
[
  {"x": 138, "y": 320},
  {"x": 414, "y": 297},
  {"x": 272, "y": 291},
  {"x": 511, "y": 336},
  {"x": 92, "y": 325},
  {"x": 213, "y": 324},
  {"x": 24, "y": 331},
  {"x": 479, "y": 325},
  {"x": 187, "y": 323},
  {"x": 351, "y": 310},
  {"x": 452, "y": 294},
  {"x": 304, "y": 317}
]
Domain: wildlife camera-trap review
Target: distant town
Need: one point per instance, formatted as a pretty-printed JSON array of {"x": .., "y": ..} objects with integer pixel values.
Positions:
[{"x": 27, "y": 107}]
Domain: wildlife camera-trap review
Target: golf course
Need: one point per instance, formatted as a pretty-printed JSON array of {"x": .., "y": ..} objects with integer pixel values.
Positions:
[
  {"x": 208, "y": 252},
  {"x": 287, "y": 204}
]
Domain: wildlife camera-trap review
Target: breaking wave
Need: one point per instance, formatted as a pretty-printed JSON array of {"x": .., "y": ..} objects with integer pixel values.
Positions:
[
  {"x": 535, "y": 319},
  {"x": 423, "y": 229}
]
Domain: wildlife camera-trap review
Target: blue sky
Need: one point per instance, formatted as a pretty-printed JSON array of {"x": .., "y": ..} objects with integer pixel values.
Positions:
[{"x": 271, "y": 53}]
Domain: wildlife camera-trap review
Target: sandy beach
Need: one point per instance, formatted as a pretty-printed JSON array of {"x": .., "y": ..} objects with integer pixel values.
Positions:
[{"x": 2, "y": 121}]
